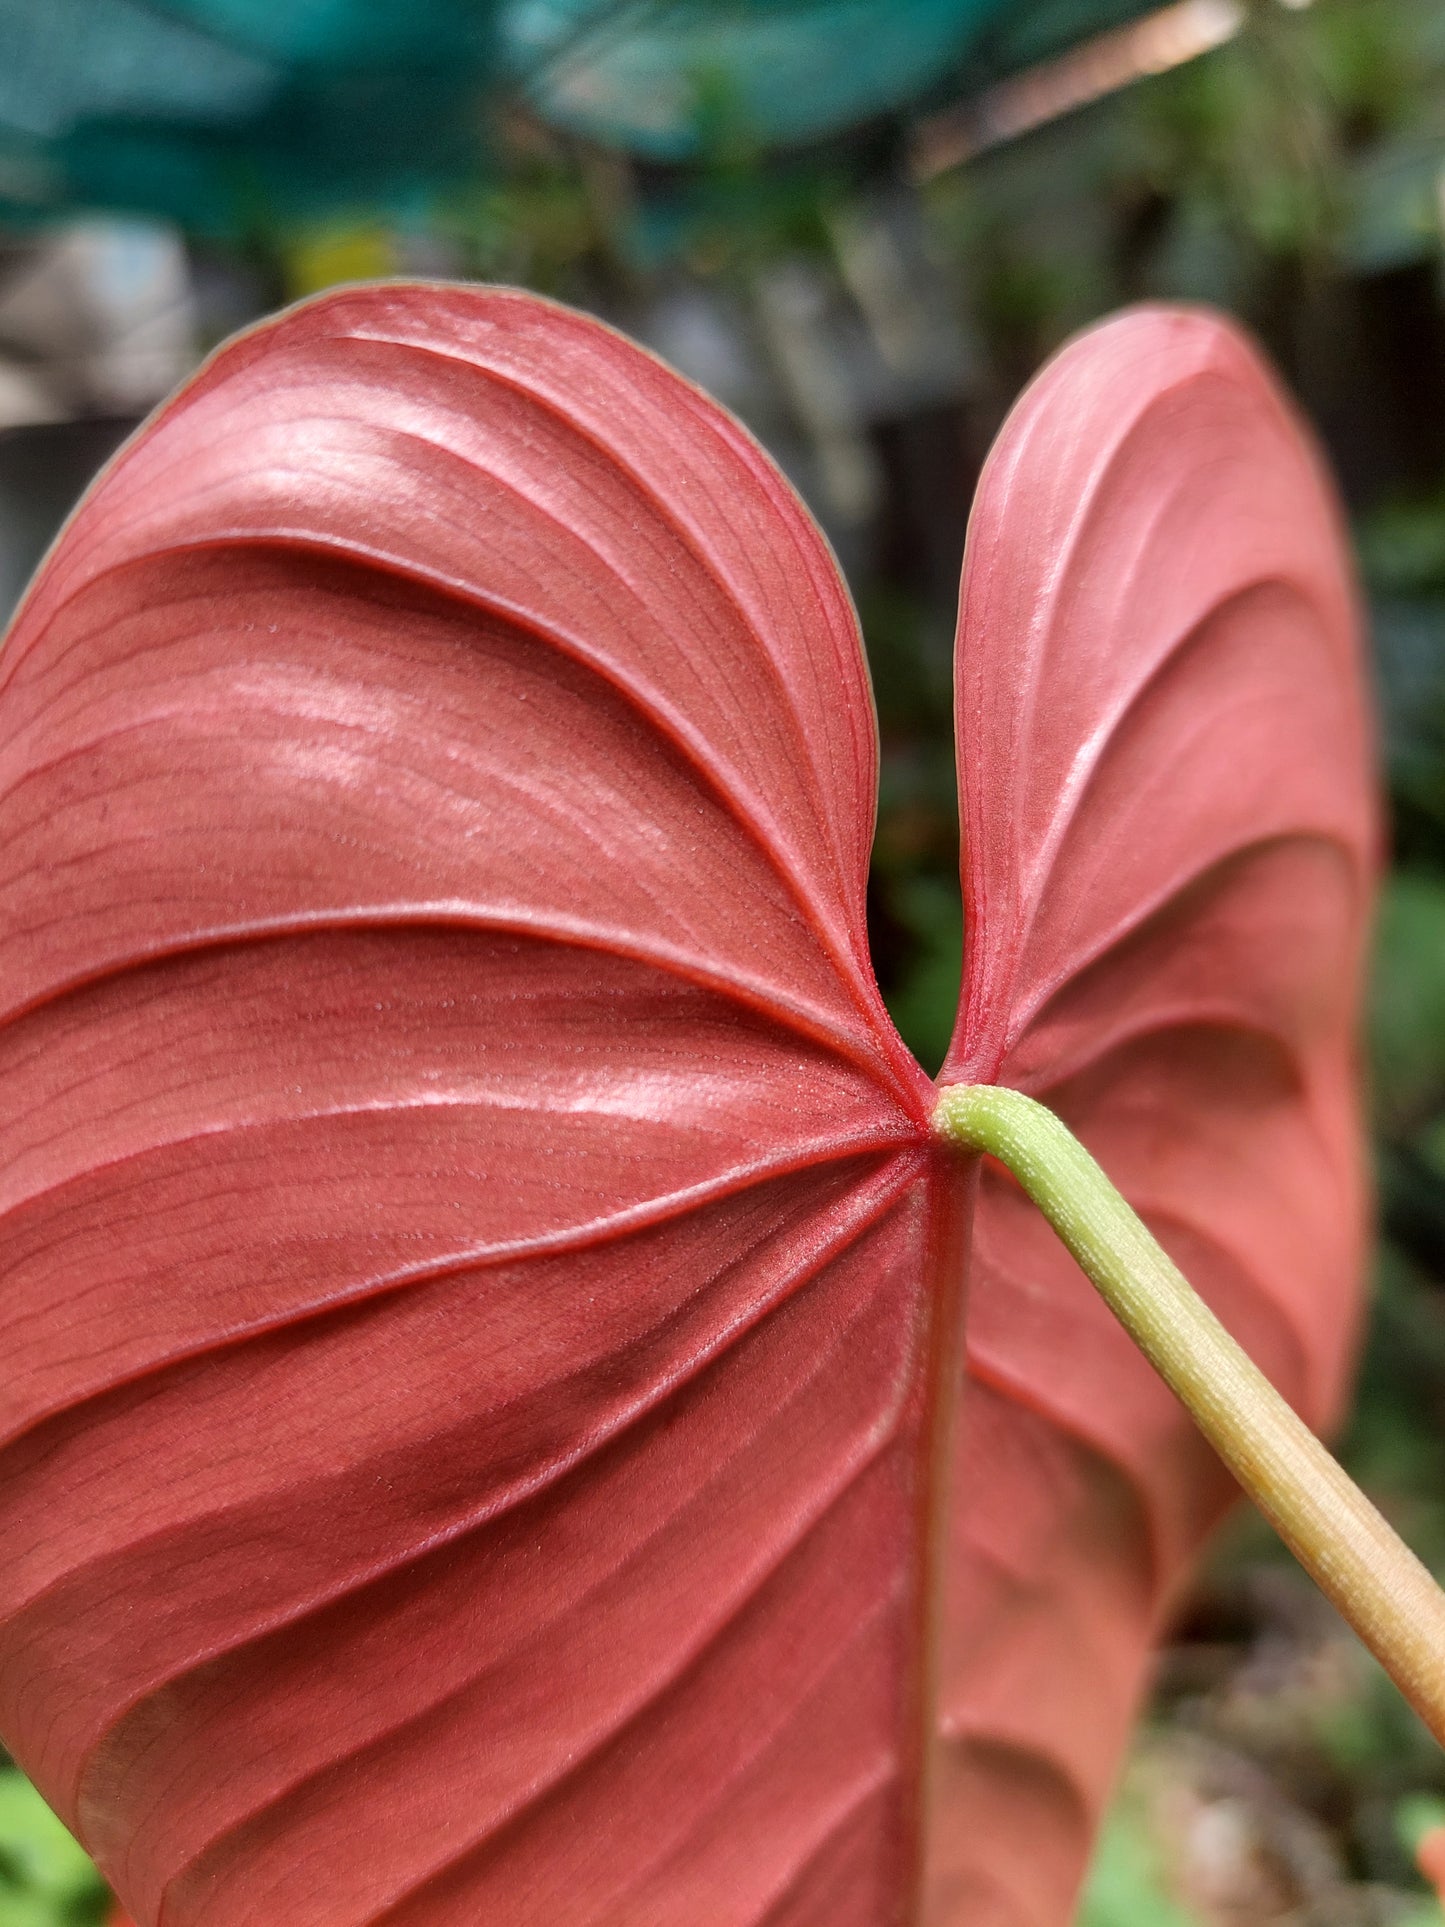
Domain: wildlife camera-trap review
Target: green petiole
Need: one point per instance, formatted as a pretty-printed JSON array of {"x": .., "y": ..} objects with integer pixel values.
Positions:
[{"x": 1357, "y": 1560}]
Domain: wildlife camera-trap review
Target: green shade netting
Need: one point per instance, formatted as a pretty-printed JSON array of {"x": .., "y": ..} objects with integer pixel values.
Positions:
[
  {"x": 225, "y": 114},
  {"x": 229, "y": 113},
  {"x": 665, "y": 79}
]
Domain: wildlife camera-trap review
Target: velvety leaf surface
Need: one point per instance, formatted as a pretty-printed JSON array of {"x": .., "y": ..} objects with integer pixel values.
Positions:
[{"x": 482, "y": 1305}]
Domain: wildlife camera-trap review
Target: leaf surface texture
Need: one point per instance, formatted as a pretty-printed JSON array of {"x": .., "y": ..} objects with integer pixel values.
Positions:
[{"x": 484, "y": 1313}]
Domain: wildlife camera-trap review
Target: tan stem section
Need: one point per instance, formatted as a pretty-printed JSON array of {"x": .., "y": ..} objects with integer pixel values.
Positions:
[{"x": 1357, "y": 1560}]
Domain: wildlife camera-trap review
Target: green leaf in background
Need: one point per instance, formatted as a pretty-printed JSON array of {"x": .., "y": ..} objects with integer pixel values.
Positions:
[
  {"x": 923, "y": 1005},
  {"x": 46, "y": 1880},
  {"x": 1407, "y": 1001},
  {"x": 1123, "y": 1888}
]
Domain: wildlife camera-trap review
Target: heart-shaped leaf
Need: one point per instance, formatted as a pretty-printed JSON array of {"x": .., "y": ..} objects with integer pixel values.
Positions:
[{"x": 483, "y": 1301}]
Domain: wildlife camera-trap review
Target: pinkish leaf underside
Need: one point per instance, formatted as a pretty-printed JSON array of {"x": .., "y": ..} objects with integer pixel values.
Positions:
[{"x": 481, "y": 1300}]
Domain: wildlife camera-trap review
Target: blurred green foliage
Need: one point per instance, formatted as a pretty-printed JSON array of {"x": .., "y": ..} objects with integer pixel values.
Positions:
[
  {"x": 1407, "y": 1003},
  {"x": 45, "y": 1878},
  {"x": 1125, "y": 1887}
]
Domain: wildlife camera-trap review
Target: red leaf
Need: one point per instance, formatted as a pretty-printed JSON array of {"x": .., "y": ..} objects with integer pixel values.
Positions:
[
  {"x": 482, "y": 1295},
  {"x": 1169, "y": 833}
]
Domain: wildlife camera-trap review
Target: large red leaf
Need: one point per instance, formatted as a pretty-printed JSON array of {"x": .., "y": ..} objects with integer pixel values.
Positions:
[{"x": 482, "y": 1301}]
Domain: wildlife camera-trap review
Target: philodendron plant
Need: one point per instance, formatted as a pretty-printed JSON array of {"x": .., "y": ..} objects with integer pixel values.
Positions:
[{"x": 522, "y": 1402}]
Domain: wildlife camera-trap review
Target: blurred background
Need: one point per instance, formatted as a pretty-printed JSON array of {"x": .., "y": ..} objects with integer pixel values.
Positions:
[{"x": 862, "y": 224}]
